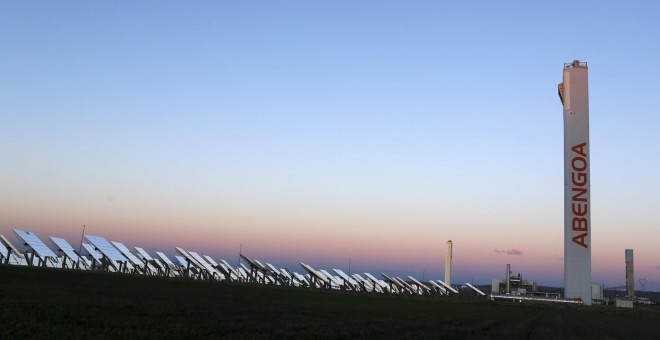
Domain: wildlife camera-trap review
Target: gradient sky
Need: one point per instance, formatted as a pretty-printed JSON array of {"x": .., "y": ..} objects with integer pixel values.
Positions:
[{"x": 323, "y": 131}]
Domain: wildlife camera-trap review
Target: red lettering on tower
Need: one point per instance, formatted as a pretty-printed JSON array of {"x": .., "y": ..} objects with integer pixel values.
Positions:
[{"x": 580, "y": 189}]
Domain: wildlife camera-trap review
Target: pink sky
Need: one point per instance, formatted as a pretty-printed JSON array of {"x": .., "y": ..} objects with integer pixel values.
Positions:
[{"x": 386, "y": 245}]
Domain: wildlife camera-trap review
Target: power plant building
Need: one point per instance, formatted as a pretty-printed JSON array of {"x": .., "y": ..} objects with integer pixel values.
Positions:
[{"x": 574, "y": 95}]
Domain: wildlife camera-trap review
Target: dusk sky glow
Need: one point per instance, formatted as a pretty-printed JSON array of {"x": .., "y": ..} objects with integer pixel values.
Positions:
[{"x": 325, "y": 131}]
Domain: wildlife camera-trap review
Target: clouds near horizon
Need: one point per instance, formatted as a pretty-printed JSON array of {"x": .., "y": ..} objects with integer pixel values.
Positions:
[{"x": 515, "y": 252}]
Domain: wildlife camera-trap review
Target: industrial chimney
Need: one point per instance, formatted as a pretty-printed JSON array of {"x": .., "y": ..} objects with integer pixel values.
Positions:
[
  {"x": 448, "y": 263},
  {"x": 630, "y": 274}
]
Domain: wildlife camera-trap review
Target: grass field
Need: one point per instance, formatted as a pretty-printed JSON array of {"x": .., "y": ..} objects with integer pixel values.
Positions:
[{"x": 47, "y": 303}]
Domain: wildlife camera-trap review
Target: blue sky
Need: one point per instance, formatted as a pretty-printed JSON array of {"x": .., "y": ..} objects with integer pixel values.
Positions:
[{"x": 330, "y": 126}]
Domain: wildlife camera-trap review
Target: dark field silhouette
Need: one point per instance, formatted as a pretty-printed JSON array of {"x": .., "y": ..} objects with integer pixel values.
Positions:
[{"x": 46, "y": 303}]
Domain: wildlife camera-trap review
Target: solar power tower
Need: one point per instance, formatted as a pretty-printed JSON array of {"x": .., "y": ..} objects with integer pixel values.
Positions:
[{"x": 574, "y": 95}]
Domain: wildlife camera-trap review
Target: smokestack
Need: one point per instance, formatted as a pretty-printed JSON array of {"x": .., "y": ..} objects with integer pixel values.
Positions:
[
  {"x": 508, "y": 278},
  {"x": 448, "y": 263},
  {"x": 630, "y": 274}
]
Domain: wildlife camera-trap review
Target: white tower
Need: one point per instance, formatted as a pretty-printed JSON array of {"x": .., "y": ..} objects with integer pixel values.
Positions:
[
  {"x": 630, "y": 274},
  {"x": 448, "y": 263},
  {"x": 574, "y": 96}
]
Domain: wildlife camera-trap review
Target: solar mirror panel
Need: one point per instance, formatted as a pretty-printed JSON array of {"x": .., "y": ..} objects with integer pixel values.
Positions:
[
  {"x": 273, "y": 269},
  {"x": 188, "y": 257},
  {"x": 53, "y": 262},
  {"x": 476, "y": 289},
  {"x": 440, "y": 288},
  {"x": 450, "y": 288},
  {"x": 221, "y": 267},
  {"x": 128, "y": 265},
  {"x": 127, "y": 253},
  {"x": 86, "y": 262},
  {"x": 152, "y": 264},
  {"x": 375, "y": 280},
  {"x": 11, "y": 247},
  {"x": 95, "y": 254},
  {"x": 393, "y": 281},
  {"x": 165, "y": 258},
  {"x": 285, "y": 273},
  {"x": 301, "y": 278},
  {"x": 261, "y": 265},
  {"x": 160, "y": 263},
  {"x": 153, "y": 267},
  {"x": 65, "y": 247},
  {"x": 106, "y": 248},
  {"x": 182, "y": 260},
  {"x": 344, "y": 276},
  {"x": 14, "y": 259},
  {"x": 35, "y": 243},
  {"x": 358, "y": 277},
  {"x": 3, "y": 253},
  {"x": 144, "y": 254},
  {"x": 363, "y": 281},
  {"x": 245, "y": 269},
  {"x": 315, "y": 273},
  {"x": 250, "y": 261},
  {"x": 230, "y": 267},
  {"x": 421, "y": 285},
  {"x": 210, "y": 261},
  {"x": 406, "y": 284},
  {"x": 330, "y": 277},
  {"x": 201, "y": 261}
]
